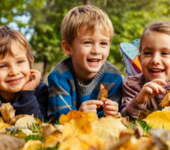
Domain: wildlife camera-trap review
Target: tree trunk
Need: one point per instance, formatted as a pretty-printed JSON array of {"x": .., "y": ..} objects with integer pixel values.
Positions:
[
  {"x": 87, "y": 2},
  {"x": 44, "y": 69}
]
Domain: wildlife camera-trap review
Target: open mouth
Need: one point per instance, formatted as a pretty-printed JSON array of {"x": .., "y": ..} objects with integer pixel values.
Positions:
[
  {"x": 157, "y": 70},
  {"x": 93, "y": 60}
]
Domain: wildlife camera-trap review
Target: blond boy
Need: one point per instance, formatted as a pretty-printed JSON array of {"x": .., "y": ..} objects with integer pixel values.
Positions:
[{"x": 87, "y": 34}]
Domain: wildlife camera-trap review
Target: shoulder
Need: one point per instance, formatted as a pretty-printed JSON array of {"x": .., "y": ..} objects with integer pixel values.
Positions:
[
  {"x": 136, "y": 81},
  {"x": 63, "y": 65},
  {"x": 62, "y": 70},
  {"x": 111, "y": 68},
  {"x": 41, "y": 86}
]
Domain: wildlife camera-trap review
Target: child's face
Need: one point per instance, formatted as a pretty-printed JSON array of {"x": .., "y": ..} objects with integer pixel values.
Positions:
[
  {"x": 89, "y": 52},
  {"x": 155, "y": 56},
  {"x": 14, "y": 70}
]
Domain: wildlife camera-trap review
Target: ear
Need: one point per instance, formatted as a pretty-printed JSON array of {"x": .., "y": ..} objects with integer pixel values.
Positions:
[
  {"x": 66, "y": 47},
  {"x": 31, "y": 63}
]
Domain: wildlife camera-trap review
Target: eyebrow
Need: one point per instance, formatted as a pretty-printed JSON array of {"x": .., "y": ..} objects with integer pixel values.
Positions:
[{"x": 162, "y": 48}]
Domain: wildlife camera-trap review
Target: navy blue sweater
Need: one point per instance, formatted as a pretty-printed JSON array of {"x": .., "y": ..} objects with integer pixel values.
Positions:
[{"x": 32, "y": 102}]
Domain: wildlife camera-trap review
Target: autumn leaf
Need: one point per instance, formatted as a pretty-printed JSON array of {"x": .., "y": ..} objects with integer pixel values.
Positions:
[
  {"x": 4, "y": 125},
  {"x": 103, "y": 93},
  {"x": 73, "y": 114},
  {"x": 33, "y": 145},
  {"x": 108, "y": 126},
  {"x": 158, "y": 119},
  {"x": 83, "y": 142},
  {"x": 166, "y": 100},
  {"x": 7, "y": 111}
]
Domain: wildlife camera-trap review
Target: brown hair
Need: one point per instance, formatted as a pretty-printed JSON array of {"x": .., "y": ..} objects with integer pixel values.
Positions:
[
  {"x": 88, "y": 15},
  {"x": 7, "y": 36},
  {"x": 162, "y": 26}
]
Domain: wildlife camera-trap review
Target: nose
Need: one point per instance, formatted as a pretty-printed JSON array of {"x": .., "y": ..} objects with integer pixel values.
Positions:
[
  {"x": 156, "y": 59},
  {"x": 96, "y": 49},
  {"x": 13, "y": 71}
]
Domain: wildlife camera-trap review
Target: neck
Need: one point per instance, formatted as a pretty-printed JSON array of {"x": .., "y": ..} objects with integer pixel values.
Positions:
[{"x": 11, "y": 97}]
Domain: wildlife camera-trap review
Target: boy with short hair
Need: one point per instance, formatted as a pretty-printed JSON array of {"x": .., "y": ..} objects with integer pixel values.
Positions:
[
  {"x": 19, "y": 83},
  {"x": 87, "y": 34}
]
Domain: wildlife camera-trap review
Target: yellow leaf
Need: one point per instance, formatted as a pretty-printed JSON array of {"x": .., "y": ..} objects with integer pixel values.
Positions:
[
  {"x": 33, "y": 145},
  {"x": 83, "y": 142},
  {"x": 166, "y": 100},
  {"x": 73, "y": 114},
  {"x": 158, "y": 119},
  {"x": 108, "y": 126},
  {"x": 4, "y": 125}
]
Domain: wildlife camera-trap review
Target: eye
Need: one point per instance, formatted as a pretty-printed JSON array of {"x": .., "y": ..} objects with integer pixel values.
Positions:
[
  {"x": 87, "y": 42},
  {"x": 165, "y": 53},
  {"x": 147, "y": 53},
  {"x": 104, "y": 43},
  {"x": 20, "y": 61},
  {"x": 3, "y": 66}
]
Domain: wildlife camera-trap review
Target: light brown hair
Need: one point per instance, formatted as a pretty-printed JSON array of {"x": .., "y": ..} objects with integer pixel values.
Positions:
[
  {"x": 88, "y": 15},
  {"x": 7, "y": 36},
  {"x": 161, "y": 26}
]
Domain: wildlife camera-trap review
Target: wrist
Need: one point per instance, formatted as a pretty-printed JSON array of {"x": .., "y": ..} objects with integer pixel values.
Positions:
[{"x": 138, "y": 101}]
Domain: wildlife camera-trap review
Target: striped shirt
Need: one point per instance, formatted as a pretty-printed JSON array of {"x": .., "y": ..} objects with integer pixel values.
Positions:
[{"x": 63, "y": 81}]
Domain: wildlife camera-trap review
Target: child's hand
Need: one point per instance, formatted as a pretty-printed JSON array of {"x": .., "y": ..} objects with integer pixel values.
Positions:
[
  {"x": 149, "y": 90},
  {"x": 33, "y": 81},
  {"x": 110, "y": 108},
  {"x": 90, "y": 106}
]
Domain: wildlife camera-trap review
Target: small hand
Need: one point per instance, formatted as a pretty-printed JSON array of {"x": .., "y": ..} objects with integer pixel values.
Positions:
[
  {"x": 110, "y": 108},
  {"x": 150, "y": 90},
  {"x": 33, "y": 81},
  {"x": 90, "y": 106}
]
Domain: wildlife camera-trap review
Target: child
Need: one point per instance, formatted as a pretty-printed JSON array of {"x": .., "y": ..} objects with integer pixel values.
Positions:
[
  {"x": 87, "y": 33},
  {"x": 19, "y": 83},
  {"x": 145, "y": 91}
]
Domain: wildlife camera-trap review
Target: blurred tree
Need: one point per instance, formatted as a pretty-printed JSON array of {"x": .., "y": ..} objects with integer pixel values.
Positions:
[{"x": 129, "y": 17}]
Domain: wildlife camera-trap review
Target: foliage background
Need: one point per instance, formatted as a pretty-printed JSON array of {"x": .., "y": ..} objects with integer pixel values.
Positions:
[{"x": 40, "y": 21}]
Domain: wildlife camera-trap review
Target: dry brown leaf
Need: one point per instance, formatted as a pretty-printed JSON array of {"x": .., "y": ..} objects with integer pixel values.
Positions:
[
  {"x": 166, "y": 100},
  {"x": 108, "y": 126},
  {"x": 8, "y": 142},
  {"x": 33, "y": 145},
  {"x": 15, "y": 118},
  {"x": 103, "y": 93},
  {"x": 7, "y": 111},
  {"x": 25, "y": 121},
  {"x": 158, "y": 119}
]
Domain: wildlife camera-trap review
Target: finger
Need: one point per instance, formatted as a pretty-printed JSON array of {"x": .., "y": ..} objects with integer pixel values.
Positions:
[
  {"x": 159, "y": 81},
  {"x": 95, "y": 102},
  {"x": 110, "y": 102},
  {"x": 155, "y": 88},
  {"x": 110, "y": 113},
  {"x": 110, "y": 108},
  {"x": 95, "y": 111}
]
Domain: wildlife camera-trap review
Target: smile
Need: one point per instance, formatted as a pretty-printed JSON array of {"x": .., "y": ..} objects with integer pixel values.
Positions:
[
  {"x": 157, "y": 70},
  {"x": 93, "y": 60},
  {"x": 14, "y": 81}
]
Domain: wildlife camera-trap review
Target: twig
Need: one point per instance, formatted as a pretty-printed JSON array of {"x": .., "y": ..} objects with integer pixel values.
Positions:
[
  {"x": 163, "y": 87},
  {"x": 65, "y": 102}
]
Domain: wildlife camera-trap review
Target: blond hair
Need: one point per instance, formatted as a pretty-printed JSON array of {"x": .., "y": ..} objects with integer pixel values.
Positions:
[
  {"x": 88, "y": 15},
  {"x": 161, "y": 26},
  {"x": 7, "y": 36}
]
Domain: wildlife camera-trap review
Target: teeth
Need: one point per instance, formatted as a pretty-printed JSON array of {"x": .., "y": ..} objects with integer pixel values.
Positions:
[{"x": 155, "y": 70}]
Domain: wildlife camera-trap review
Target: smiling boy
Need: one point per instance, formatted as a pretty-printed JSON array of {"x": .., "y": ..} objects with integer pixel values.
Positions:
[
  {"x": 19, "y": 83},
  {"x": 87, "y": 34}
]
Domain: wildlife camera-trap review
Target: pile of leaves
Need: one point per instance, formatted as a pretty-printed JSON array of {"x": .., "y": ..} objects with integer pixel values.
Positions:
[{"x": 85, "y": 131}]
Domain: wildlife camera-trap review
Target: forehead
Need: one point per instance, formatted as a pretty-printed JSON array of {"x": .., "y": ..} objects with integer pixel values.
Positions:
[{"x": 98, "y": 28}]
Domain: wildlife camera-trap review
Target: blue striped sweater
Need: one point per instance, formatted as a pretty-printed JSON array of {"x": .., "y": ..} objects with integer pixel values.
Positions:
[{"x": 63, "y": 81}]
